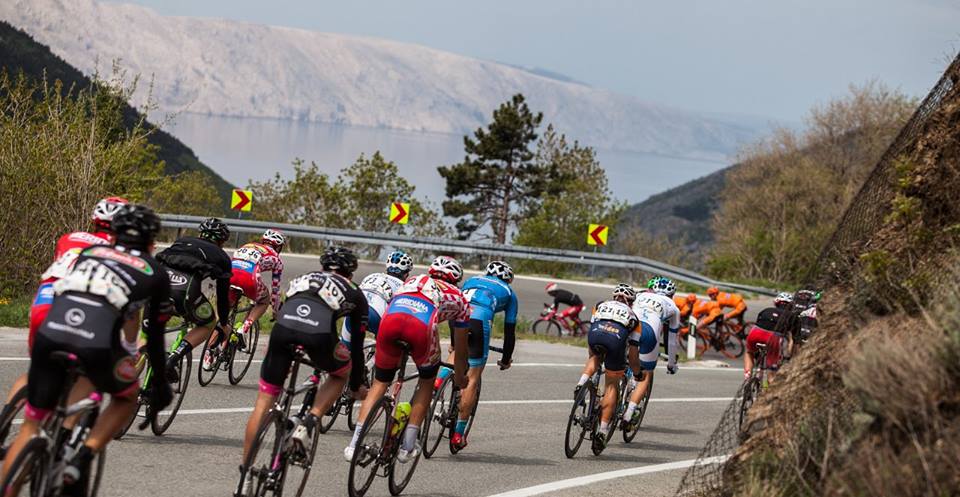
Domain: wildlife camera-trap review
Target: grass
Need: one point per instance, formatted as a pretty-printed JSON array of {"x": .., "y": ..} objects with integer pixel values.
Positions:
[{"x": 15, "y": 312}]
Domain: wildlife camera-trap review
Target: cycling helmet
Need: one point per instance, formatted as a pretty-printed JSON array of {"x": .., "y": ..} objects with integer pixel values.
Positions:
[
  {"x": 446, "y": 269},
  {"x": 624, "y": 293},
  {"x": 339, "y": 259},
  {"x": 399, "y": 264},
  {"x": 105, "y": 209},
  {"x": 501, "y": 270},
  {"x": 552, "y": 287},
  {"x": 214, "y": 230},
  {"x": 783, "y": 299},
  {"x": 135, "y": 226},
  {"x": 691, "y": 298},
  {"x": 274, "y": 238},
  {"x": 652, "y": 281},
  {"x": 713, "y": 291},
  {"x": 664, "y": 286}
]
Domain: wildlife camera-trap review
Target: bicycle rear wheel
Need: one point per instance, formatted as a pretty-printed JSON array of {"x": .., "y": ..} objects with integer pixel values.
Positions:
[
  {"x": 372, "y": 450},
  {"x": 578, "y": 421},
  {"x": 265, "y": 478},
  {"x": 583, "y": 329},
  {"x": 163, "y": 419},
  {"x": 629, "y": 435},
  {"x": 204, "y": 377},
  {"x": 243, "y": 356},
  {"x": 438, "y": 420},
  {"x": 751, "y": 390},
  {"x": 30, "y": 468},
  {"x": 473, "y": 416},
  {"x": 299, "y": 463}
]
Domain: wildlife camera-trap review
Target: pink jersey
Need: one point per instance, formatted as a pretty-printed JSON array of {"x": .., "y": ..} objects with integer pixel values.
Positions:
[
  {"x": 255, "y": 258},
  {"x": 450, "y": 301},
  {"x": 68, "y": 249}
]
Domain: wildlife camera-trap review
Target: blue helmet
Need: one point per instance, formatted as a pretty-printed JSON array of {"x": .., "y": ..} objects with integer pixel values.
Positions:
[
  {"x": 664, "y": 286},
  {"x": 399, "y": 264}
]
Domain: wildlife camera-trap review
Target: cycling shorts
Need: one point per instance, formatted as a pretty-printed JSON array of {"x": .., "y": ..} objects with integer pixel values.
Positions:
[
  {"x": 39, "y": 309},
  {"x": 186, "y": 293},
  {"x": 612, "y": 336},
  {"x": 646, "y": 341},
  {"x": 90, "y": 329},
  {"x": 772, "y": 340},
  {"x": 325, "y": 351},
  {"x": 478, "y": 337},
  {"x": 250, "y": 283},
  {"x": 409, "y": 319}
]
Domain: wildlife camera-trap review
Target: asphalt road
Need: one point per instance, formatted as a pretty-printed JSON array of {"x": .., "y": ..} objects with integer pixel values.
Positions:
[{"x": 517, "y": 442}]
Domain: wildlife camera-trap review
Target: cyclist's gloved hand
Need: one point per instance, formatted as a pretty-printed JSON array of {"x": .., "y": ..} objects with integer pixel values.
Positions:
[
  {"x": 505, "y": 364},
  {"x": 160, "y": 396},
  {"x": 672, "y": 368}
]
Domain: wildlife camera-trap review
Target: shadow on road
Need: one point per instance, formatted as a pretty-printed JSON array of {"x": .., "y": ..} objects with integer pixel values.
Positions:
[{"x": 491, "y": 458}]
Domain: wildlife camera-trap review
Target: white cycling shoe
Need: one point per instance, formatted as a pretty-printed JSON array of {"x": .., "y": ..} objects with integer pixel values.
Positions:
[
  {"x": 348, "y": 453},
  {"x": 405, "y": 456}
]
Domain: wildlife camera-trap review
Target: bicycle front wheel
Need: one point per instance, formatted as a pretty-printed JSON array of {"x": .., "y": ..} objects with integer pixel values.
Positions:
[
  {"x": 326, "y": 421},
  {"x": 629, "y": 435},
  {"x": 546, "y": 327},
  {"x": 204, "y": 377},
  {"x": 10, "y": 412},
  {"x": 300, "y": 462},
  {"x": 473, "y": 416},
  {"x": 163, "y": 419},
  {"x": 261, "y": 475},
  {"x": 751, "y": 390},
  {"x": 242, "y": 357},
  {"x": 373, "y": 449},
  {"x": 579, "y": 420},
  {"x": 438, "y": 420},
  {"x": 30, "y": 468}
]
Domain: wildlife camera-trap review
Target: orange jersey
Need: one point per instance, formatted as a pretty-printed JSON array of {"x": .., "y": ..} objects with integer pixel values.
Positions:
[
  {"x": 683, "y": 305},
  {"x": 732, "y": 300},
  {"x": 706, "y": 309}
]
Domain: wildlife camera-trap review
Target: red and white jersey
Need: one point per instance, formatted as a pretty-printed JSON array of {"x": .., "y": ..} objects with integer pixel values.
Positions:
[
  {"x": 450, "y": 301},
  {"x": 68, "y": 249},
  {"x": 256, "y": 258}
]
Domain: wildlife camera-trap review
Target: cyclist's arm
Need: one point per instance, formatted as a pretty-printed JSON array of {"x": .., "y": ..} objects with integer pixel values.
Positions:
[
  {"x": 223, "y": 301},
  {"x": 156, "y": 321},
  {"x": 510, "y": 329},
  {"x": 738, "y": 309},
  {"x": 358, "y": 328},
  {"x": 276, "y": 275}
]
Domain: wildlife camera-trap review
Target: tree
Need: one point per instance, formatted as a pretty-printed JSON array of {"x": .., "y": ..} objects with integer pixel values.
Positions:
[
  {"x": 192, "y": 193},
  {"x": 576, "y": 194},
  {"x": 498, "y": 182}
]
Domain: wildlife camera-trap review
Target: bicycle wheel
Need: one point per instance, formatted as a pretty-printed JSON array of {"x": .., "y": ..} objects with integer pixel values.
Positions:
[
  {"x": 628, "y": 436},
  {"x": 243, "y": 356},
  {"x": 750, "y": 391},
  {"x": 9, "y": 413},
  {"x": 438, "y": 420},
  {"x": 204, "y": 377},
  {"x": 546, "y": 327},
  {"x": 372, "y": 450},
  {"x": 349, "y": 411},
  {"x": 583, "y": 329},
  {"x": 162, "y": 420},
  {"x": 96, "y": 473},
  {"x": 29, "y": 468},
  {"x": 326, "y": 421},
  {"x": 299, "y": 463},
  {"x": 265, "y": 478},
  {"x": 399, "y": 474},
  {"x": 732, "y": 346},
  {"x": 473, "y": 416},
  {"x": 578, "y": 421}
]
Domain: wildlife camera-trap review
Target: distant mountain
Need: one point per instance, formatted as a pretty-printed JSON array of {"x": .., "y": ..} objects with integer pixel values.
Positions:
[
  {"x": 19, "y": 52},
  {"x": 238, "y": 69}
]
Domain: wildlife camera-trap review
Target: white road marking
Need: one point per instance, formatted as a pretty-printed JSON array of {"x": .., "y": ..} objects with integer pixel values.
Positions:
[{"x": 609, "y": 475}]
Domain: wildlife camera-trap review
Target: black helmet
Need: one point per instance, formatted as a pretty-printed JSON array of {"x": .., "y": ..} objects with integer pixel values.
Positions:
[
  {"x": 339, "y": 259},
  {"x": 214, "y": 230},
  {"x": 135, "y": 225}
]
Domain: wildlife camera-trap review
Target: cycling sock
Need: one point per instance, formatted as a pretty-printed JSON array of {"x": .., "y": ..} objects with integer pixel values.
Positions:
[
  {"x": 604, "y": 426},
  {"x": 629, "y": 412},
  {"x": 583, "y": 379},
  {"x": 184, "y": 348},
  {"x": 356, "y": 435},
  {"x": 461, "y": 426},
  {"x": 246, "y": 325},
  {"x": 410, "y": 436}
]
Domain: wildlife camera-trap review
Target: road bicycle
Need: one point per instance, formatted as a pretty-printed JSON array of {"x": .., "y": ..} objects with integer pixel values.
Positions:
[
  {"x": 755, "y": 384},
  {"x": 375, "y": 453},
  {"x": 345, "y": 402},
  {"x": 629, "y": 430},
  {"x": 273, "y": 456},
  {"x": 445, "y": 411},
  {"x": 551, "y": 324},
  {"x": 42, "y": 461},
  {"x": 160, "y": 421},
  {"x": 584, "y": 419},
  {"x": 719, "y": 338},
  {"x": 236, "y": 355}
]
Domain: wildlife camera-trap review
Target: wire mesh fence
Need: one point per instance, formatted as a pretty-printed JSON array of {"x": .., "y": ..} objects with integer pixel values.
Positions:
[{"x": 837, "y": 263}]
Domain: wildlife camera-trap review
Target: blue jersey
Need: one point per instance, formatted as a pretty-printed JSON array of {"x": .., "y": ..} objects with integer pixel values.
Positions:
[{"x": 490, "y": 295}]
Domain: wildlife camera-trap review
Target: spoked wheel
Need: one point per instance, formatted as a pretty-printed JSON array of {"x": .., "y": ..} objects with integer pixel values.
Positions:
[
  {"x": 260, "y": 477},
  {"x": 630, "y": 430},
  {"x": 163, "y": 419},
  {"x": 440, "y": 418},
  {"x": 579, "y": 420},
  {"x": 299, "y": 463},
  {"x": 10, "y": 412},
  {"x": 123, "y": 431},
  {"x": 326, "y": 421},
  {"x": 371, "y": 452},
  {"x": 399, "y": 474},
  {"x": 351, "y": 413},
  {"x": 750, "y": 392},
  {"x": 546, "y": 327},
  {"x": 204, "y": 377},
  {"x": 29, "y": 469},
  {"x": 243, "y": 356},
  {"x": 732, "y": 346},
  {"x": 583, "y": 329},
  {"x": 96, "y": 473},
  {"x": 455, "y": 418}
]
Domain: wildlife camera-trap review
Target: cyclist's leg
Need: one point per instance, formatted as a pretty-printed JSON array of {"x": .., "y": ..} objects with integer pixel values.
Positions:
[
  {"x": 425, "y": 352},
  {"x": 38, "y": 312},
  {"x": 261, "y": 299},
  {"x": 648, "y": 352},
  {"x": 774, "y": 343},
  {"x": 116, "y": 375},
  {"x": 478, "y": 344},
  {"x": 195, "y": 308},
  {"x": 332, "y": 356}
]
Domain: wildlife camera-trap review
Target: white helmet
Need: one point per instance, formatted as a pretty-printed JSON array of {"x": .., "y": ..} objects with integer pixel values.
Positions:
[
  {"x": 273, "y": 238},
  {"x": 665, "y": 286},
  {"x": 501, "y": 270},
  {"x": 446, "y": 269},
  {"x": 399, "y": 264},
  {"x": 105, "y": 209}
]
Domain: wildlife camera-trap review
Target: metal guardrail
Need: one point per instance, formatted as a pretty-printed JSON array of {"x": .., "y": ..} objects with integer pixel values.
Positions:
[{"x": 444, "y": 245}]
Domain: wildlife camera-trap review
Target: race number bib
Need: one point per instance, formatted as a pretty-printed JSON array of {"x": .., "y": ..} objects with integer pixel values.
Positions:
[
  {"x": 62, "y": 266},
  {"x": 378, "y": 284},
  {"x": 331, "y": 293},
  {"x": 249, "y": 254},
  {"x": 611, "y": 312}
]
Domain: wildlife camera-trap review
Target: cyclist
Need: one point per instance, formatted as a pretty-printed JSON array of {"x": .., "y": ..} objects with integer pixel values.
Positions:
[
  {"x": 729, "y": 300},
  {"x": 308, "y": 318},
  {"x": 379, "y": 288},
  {"x": 488, "y": 294},
  {"x": 248, "y": 262},
  {"x": 612, "y": 324},
  {"x": 189, "y": 262},
  {"x": 67, "y": 250},
  {"x": 101, "y": 295},
  {"x": 418, "y": 306},
  {"x": 706, "y": 312},
  {"x": 685, "y": 305},
  {"x": 655, "y": 310},
  {"x": 766, "y": 331},
  {"x": 568, "y": 298}
]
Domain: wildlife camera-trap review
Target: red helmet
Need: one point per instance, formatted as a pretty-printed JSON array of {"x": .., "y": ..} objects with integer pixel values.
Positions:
[
  {"x": 105, "y": 209},
  {"x": 551, "y": 287}
]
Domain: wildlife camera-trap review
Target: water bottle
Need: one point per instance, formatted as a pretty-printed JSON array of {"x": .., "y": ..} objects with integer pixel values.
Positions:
[{"x": 401, "y": 415}]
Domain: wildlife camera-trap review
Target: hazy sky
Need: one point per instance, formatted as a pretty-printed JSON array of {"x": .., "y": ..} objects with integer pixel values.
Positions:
[{"x": 772, "y": 58}]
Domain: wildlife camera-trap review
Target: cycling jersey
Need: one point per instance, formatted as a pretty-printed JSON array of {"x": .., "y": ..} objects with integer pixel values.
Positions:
[
  {"x": 107, "y": 286},
  {"x": 488, "y": 295},
  {"x": 561, "y": 296},
  {"x": 768, "y": 318},
  {"x": 412, "y": 317},
  {"x": 315, "y": 301},
  {"x": 194, "y": 260},
  {"x": 65, "y": 254},
  {"x": 248, "y": 262},
  {"x": 611, "y": 325},
  {"x": 684, "y": 306},
  {"x": 654, "y": 312},
  {"x": 734, "y": 301},
  {"x": 706, "y": 311},
  {"x": 378, "y": 288}
]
